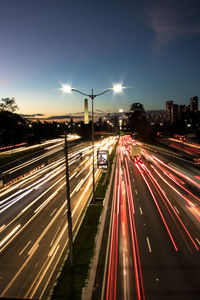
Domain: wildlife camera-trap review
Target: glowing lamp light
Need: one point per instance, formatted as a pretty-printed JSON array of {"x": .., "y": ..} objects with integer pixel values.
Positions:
[
  {"x": 66, "y": 88},
  {"x": 117, "y": 88}
]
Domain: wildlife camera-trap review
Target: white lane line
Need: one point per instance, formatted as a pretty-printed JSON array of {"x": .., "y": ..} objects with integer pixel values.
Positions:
[
  {"x": 136, "y": 192},
  {"x": 24, "y": 248},
  {"x": 2, "y": 227},
  {"x": 141, "y": 212},
  {"x": 53, "y": 212},
  {"x": 198, "y": 241},
  {"x": 10, "y": 235},
  {"x": 148, "y": 243},
  {"x": 33, "y": 249},
  {"x": 176, "y": 209}
]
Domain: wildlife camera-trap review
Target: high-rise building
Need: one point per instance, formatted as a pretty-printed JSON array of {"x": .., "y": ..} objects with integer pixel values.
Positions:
[
  {"x": 194, "y": 104},
  {"x": 171, "y": 111},
  {"x": 181, "y": 112},
  {"x": 174, "y": 113},
  {"x": 169, "y": 105}
]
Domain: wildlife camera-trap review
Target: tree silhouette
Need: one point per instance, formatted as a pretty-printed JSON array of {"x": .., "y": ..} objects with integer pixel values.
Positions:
[
  {"x": 137, "y": 119},
  {"x": 8, "y": 104}
]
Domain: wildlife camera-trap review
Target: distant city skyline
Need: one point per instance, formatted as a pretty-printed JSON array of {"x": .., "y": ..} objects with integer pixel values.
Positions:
[{"x": 152, "y": 48}]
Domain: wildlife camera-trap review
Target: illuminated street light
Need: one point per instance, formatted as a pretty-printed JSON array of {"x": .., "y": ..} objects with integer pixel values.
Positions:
[
  {"x": 117, "y": 88},
  {"x": 66, "y": 88}
]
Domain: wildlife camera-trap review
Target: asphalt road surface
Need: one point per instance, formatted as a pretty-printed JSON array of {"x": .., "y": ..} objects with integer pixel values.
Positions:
[
  {"x": 153, "y": 236},
  {"x": 33, "y": 223}
]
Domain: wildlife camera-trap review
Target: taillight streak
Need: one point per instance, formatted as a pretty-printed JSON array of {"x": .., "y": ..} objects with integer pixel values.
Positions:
[
  {"x": 110, "y": 281},
  {"x": 175, "y": 171},
  {"x": 136, "y": 256},
  {"x": 159, "y": 210},
  {"x": 177, "y": 183},
  {"x": 158, "y": 188}
]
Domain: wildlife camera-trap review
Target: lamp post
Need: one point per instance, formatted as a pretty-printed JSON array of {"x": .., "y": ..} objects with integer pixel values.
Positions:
[
  {"x": 69, "y": 218},
  {"x": 117, "y": 89}
]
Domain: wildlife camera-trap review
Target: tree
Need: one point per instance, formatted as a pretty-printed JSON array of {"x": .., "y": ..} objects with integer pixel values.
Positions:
[
  {"x": 12, "y": 128},
  {"x": 8, "y": 104},
  {"x": 137, "y": 119},
  {"x": 137, "y": 108}
]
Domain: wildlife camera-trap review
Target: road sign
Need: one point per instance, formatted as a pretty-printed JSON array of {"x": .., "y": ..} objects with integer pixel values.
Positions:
[{"x": 102, "y": 159}]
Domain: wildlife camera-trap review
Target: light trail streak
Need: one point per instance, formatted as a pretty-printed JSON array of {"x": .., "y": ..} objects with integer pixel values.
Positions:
[
  {"x": 195, "y": 211},
  {"x": 11, "y": 202},
  {"x": 177, "y": 183},
  {"x": 10, "y": 235},
  {"x": 149, "y": 245},
  {"x": 162, "y": 217},
  {"x": 41, "y": 275},
  {"x": 157, "y": 186},
  {"x": 30, "y": 188},
  {"x": 110, "y": 235},
  {"x": 175, "y": 171},
  {"x": 136, "y": 255},
  {"x": 54, "y": 248},
  {"x": 112, "y": 241},
  {"x": 36, "y": 245},
  {"x": 30, "y": 177},
  {"x": 37, "y": 211},
  {"x": 173, "y": 188},
  {"x": 25, "y": 164},
  {"x": 22, "y": 251}
]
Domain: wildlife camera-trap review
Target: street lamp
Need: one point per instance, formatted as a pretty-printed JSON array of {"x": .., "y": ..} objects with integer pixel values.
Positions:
[{"x": 117, "y": 88}]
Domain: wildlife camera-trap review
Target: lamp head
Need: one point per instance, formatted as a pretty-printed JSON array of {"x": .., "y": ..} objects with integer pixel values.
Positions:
[
  {"x": 117, "y": 88},
  {"x": 66, "y": 88}
]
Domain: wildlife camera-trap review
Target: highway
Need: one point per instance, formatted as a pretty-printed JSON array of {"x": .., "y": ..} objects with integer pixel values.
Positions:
[
  {"x": 33, "y": 223},
  {"x": 153, "y": 239}
]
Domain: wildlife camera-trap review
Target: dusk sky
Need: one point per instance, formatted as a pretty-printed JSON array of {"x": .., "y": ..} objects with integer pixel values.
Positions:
[{"x": 152, "y": 47}]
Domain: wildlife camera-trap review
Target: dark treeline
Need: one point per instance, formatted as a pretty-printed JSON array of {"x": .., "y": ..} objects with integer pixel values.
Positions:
[{"x": 14, "y": 129}]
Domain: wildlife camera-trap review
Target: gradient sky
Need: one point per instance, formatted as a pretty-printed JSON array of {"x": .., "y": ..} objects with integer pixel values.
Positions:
[{"x": 153, "y": 47}]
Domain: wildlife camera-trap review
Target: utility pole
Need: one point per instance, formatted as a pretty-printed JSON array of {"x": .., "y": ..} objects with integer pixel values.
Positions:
[
  {"x": 93, "y": 176},
  {"x": 69, "y": 218}
]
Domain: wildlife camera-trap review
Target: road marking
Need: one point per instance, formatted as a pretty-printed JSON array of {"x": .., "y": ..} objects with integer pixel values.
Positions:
[
  {"x": 148, "y": 243},
  {"x": 24, "y": 248},
  {"x": 141, "y": 212},
  {"x": 176, "y": 209},
  {"x": 33, "y": 249},
  {"x": 10, "y": 234},
  {"x": 53, "y": 212},
  {"x": 198, "y": 241},
  {"x": 136, "y": 192},
  {"x": 2, "y": 227}
]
